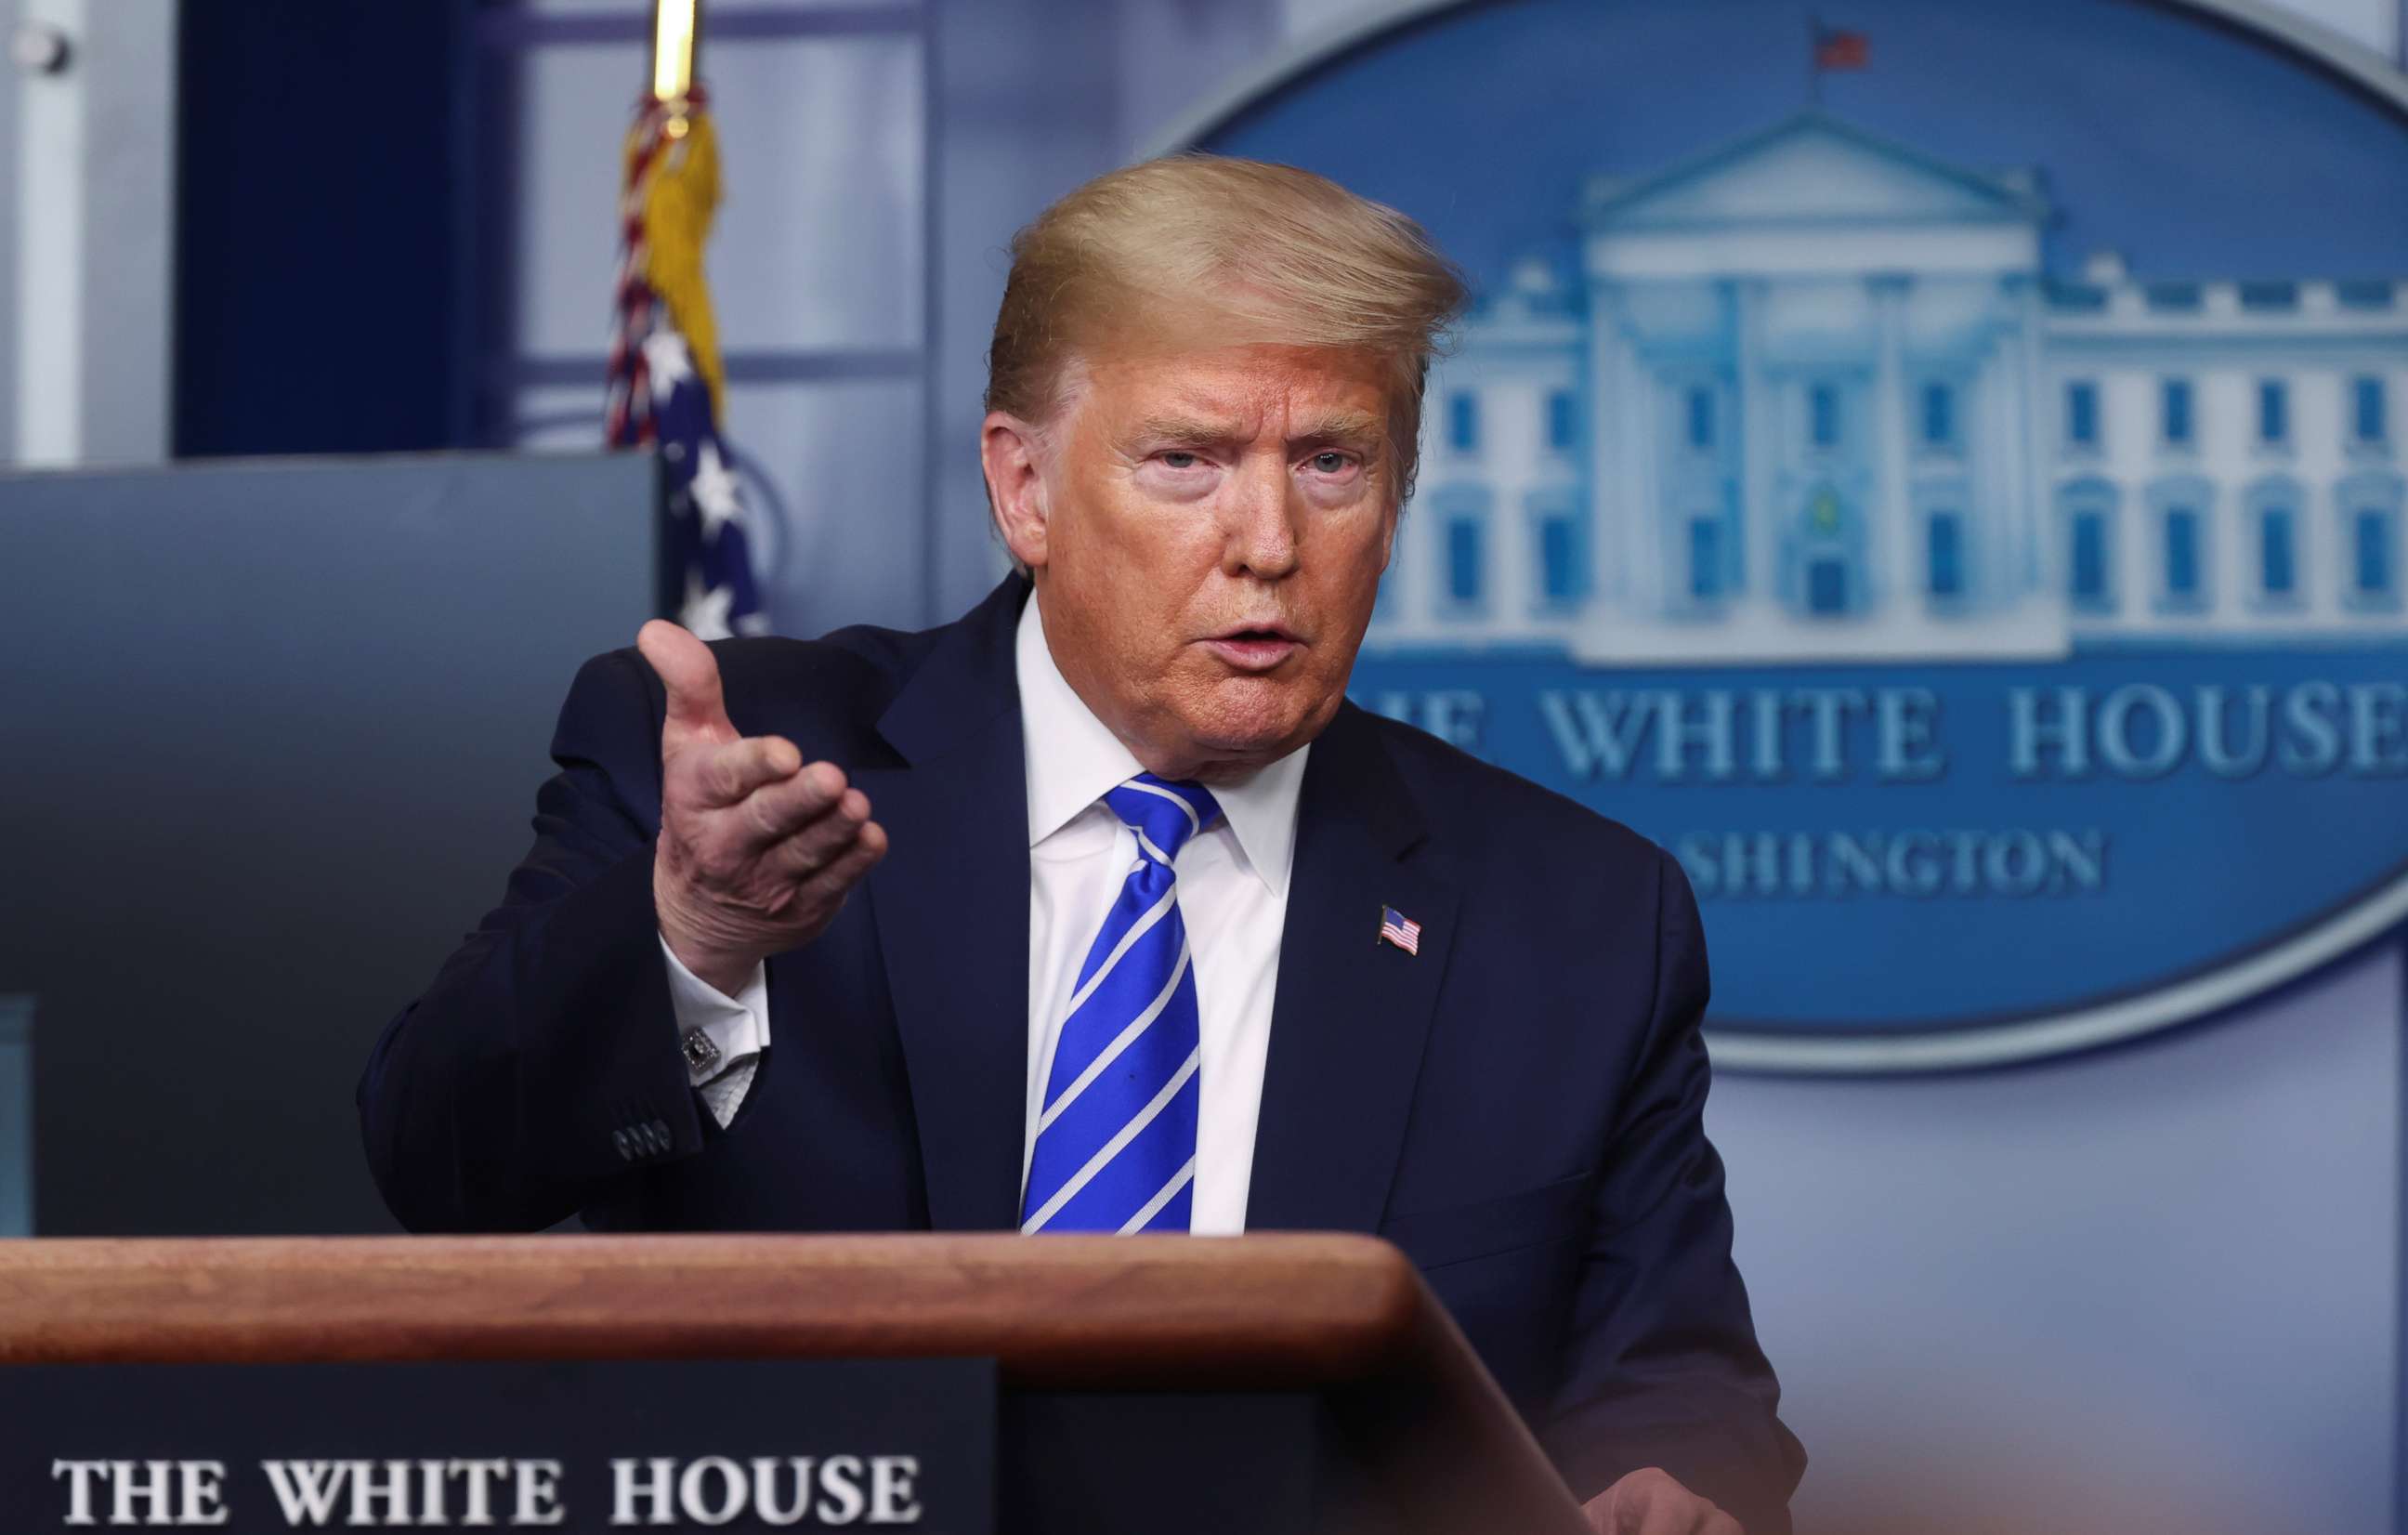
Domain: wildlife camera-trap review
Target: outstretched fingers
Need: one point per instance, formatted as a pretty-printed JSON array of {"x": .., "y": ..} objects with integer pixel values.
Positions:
[
  {"x": 818, "y": 842},
  {"x": 812, "y": 798},
  {"x": 713, "y": 778},
  {"x": 853, "y": 858}
]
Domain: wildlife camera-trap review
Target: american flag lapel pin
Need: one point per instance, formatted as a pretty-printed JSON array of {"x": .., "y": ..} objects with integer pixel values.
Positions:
[{"x": 1400, "y": 929}]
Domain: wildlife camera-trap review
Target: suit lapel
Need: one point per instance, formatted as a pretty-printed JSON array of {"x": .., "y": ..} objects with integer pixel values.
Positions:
[
  {"x": 1351, "y": 1012},
  {"x": 951, "y": 903}
]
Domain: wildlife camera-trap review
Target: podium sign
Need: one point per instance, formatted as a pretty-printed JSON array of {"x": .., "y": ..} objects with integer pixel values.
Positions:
[
  {"x": 559, "y": 1445},
  {"x": 1072, "y": 1386}
]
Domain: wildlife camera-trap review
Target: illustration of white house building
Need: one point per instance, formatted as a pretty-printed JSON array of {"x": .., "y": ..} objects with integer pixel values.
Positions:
[{"x": 1812, "y": 398}]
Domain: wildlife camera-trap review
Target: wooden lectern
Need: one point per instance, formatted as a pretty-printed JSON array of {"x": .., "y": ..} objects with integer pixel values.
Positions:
[{"x": 1148, "y": 1384}]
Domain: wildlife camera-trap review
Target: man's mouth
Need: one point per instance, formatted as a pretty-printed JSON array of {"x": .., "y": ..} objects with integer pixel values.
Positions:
[{"x": 1255, "y": 647}]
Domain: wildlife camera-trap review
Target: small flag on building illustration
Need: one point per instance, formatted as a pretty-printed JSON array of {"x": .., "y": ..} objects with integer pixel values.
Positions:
[
  {"x": 666, "y": 385},
  {"x": 1838, "y": 47}
]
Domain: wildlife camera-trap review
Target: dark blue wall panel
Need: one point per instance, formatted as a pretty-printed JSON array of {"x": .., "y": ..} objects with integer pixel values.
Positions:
[{"x": 317, "y": 290}]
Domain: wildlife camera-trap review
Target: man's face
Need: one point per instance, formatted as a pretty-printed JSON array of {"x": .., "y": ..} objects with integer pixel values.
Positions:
[{"x": 1207, "y": 531}]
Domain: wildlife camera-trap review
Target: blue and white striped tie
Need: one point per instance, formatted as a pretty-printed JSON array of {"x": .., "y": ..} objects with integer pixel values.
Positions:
[{"x": 1116, "y": 1140}]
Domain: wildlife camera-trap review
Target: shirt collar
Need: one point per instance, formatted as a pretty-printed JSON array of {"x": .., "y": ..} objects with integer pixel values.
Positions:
[{"x": 1072, "y": 757}]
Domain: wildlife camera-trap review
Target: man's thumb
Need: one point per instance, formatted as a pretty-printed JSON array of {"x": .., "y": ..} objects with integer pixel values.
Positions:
[{"x": 690, "y": 674}]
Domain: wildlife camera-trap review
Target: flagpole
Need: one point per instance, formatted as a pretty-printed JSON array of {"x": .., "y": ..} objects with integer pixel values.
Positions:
[{"x": 667, "y": 378}]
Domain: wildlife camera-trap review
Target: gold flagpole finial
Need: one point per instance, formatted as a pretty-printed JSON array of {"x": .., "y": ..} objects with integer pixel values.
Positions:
[{"x": 673, "y": 27}]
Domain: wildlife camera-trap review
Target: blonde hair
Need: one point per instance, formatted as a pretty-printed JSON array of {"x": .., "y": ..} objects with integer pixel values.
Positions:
[{"x": 1199, "y": 249}]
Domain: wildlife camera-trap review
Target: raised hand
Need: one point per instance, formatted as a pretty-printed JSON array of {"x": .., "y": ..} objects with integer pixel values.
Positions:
[
  {"x": 757, "y": 850},
  {"x": 1651, "y": 1501}
]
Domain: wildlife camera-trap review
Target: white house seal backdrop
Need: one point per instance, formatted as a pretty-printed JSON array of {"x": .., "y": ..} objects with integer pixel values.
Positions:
[{"x": 1938, "y": 469}]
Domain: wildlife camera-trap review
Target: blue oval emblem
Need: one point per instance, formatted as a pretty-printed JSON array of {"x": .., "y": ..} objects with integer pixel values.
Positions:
[{"x": 1942, "y": 477}]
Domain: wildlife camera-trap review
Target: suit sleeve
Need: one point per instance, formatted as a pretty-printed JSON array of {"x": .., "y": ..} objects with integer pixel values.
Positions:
[
  {"x": 1664, "y": 1368},
  {"x": 543, "y": 1060}
]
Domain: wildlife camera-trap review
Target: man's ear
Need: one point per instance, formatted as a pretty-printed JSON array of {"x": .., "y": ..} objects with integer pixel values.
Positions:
[{"x": 1012, "y": 453}]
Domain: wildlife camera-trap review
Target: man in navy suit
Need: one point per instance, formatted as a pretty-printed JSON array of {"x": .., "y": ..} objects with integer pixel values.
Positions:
[{"x": 1153, "y": 929}]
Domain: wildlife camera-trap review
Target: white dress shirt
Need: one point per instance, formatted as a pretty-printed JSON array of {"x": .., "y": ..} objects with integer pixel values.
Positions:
[{"x": 1232, "y": 895}]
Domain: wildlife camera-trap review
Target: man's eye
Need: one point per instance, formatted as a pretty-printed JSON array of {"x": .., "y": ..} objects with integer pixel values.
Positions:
[
  {"x": 1178, "y": 459},
  {"x": 1330, "y": 463}
]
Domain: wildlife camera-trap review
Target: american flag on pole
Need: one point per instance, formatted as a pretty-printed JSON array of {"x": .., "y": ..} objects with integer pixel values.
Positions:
[
  {"x": 1400, "y": 930},
  {"x": 666, "y": 382}
]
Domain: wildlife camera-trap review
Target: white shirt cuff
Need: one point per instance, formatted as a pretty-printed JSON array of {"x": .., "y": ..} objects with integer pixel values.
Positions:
[{"x": 736, "y": 1027}]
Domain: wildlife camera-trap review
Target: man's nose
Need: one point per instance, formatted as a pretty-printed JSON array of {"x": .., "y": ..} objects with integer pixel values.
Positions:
[{"x": 1262, "y": 521}]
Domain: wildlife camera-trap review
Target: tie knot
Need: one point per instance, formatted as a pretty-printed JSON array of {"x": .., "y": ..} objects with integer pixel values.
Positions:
[{"x": 1163, "y": 812}]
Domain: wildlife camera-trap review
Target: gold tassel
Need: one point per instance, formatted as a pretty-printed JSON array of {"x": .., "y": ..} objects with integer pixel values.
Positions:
[{"x": 680, "y": 200}]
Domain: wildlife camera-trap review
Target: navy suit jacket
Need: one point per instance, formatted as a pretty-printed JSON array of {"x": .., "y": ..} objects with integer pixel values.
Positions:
[{"x": 1517, "y": 1107}]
